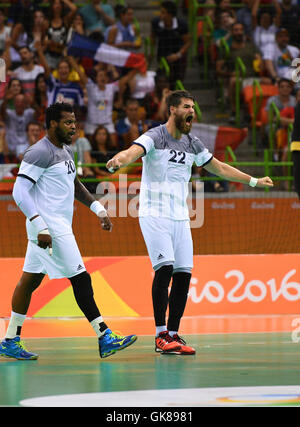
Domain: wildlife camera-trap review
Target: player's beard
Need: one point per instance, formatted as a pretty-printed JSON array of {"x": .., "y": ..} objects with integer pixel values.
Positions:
[
  {"x": 62, "y": 137},
  {"x": 181, "y": 125}
]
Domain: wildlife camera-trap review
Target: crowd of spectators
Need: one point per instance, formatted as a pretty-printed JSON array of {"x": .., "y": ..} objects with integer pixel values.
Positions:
[
  {"x": 265, "y": 35},
  {"x": 114, "y": 104}
]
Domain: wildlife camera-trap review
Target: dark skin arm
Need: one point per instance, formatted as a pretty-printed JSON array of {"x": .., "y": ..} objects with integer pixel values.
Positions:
[{"x": 85, "y": 197}]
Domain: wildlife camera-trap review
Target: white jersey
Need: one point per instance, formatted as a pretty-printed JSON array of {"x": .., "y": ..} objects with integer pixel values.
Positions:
[
  {"x": 53, "y": 171},
  {"x": 100, "y": 102},
  {"x": 167, "y": 167}
]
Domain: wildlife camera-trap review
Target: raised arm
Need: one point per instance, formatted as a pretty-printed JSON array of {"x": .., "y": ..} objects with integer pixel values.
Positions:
[
  {"x": 254, "y": 13},
  {"x": 72, "y": 11},
  {"x": 223, "y": 170}
]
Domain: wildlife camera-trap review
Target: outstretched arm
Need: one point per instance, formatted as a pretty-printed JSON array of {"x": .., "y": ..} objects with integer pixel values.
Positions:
[
  {"x": 125, "y": 157},
  {"x": 85, "y": 197},
  {"x": 223, "y": 170}
]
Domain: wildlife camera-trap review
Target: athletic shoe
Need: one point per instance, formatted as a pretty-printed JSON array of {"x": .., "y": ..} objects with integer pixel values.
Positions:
[
  {"x": 185, "y": 349},
  {"x": 15, "y": 348},
  {"x": 110, "y": 342},
  {"x": 164, "y": 343}
]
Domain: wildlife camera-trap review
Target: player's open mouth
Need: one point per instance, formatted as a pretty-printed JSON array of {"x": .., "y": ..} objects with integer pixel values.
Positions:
[{"x": 189, "y": 119}]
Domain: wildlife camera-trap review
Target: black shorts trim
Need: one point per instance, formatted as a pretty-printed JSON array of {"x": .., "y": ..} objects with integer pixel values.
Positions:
[{"x": 27, "y": 177}]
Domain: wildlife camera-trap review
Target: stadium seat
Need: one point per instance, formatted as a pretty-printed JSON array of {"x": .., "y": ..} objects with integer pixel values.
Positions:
[{"x": 267, "y": 92}]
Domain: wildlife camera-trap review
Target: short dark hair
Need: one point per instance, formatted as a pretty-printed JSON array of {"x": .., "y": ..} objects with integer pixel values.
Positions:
[
  {"x": 54, "y": 112},
  {"x": 170, "y": 7},
  {"x": 33, "y": 123},
  {"x": 24, "y": 46},
  {"x": 285, "y": 80},
  {"x": 174, "y": 99}
]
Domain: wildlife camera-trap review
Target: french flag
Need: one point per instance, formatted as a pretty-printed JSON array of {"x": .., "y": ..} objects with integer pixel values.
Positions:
[
  {"x": 217, "y": 138},
  {"x": 81, "y": 46}
]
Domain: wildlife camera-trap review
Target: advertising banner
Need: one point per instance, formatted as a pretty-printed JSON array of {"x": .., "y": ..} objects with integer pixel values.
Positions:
[{"x": 220, "y": 285}]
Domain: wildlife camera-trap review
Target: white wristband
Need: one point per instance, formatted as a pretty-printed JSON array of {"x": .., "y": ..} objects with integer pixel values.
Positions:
[
  {"x": 253, "y": 182},
  {"x": 39, "y": 224},
  {"x": 98, "y": 209}
]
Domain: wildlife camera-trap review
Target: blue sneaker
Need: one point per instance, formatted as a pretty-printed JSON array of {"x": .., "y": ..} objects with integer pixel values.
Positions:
[
  {"x": 15, "y": 348},
  {"x": 110, "y": 342}
]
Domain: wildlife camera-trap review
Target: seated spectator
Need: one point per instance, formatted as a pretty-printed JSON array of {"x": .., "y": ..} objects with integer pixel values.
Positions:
[
  {"x": 290, "y": 19},
  {"x": 284, "y": 98},
  {"x": 131, "y": 126},
  {"x": 13, "y": 89},
  {"x": 101, "y": 95},
  {"x": 283, "y": 101},
  {"x": 123, "y": 34},
  {"x": 223, "y": 28},
  {"x": 155, "y": 101},
  {"x": 248, "y": 52},
  {"x": 59, "y": 23},
  {"x": 40, "y": 98},
  {"x": 15, "y": 124},
  {"x": 34, "y": 132},
  {"x": 28, "y": 71},
  {"x": 101, "y": 145},
  {"x": 278, "y": 57},
  {"x": 97, "y": 16},
  {"x": 173, "y": 40},
  {"x": 265, "y": 24},
  {"x": 82, "y": 147},
  {"x": 5, "y": 31}
]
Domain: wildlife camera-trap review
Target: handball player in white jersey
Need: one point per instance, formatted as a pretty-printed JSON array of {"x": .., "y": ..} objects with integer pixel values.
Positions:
[
  {"x": 44, "y": 191},
  {"x": 168, "y": 153}
]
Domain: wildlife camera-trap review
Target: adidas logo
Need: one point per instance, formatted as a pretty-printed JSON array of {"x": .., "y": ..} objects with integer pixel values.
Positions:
[
  {"x": 160, "y": 256},
  {"x": 79, "y": 267}
]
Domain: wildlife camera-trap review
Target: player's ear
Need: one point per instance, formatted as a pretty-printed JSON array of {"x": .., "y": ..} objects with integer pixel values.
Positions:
[{"x": 53, "y": 124}]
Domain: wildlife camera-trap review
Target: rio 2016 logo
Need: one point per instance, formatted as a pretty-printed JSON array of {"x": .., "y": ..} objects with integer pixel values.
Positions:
[
  {"x": 296, "y": 72},
  {"x": 2, "y": 70}
]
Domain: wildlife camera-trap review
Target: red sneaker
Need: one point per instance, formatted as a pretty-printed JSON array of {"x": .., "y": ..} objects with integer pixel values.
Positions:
[
  {"x": 164, "y": 343},
  {"x": 184, "y": 349}
]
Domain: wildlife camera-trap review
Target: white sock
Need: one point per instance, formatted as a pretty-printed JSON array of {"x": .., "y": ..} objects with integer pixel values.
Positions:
[
  {"x": 172, "y": 333},
  {"x": 15, "y": 324},
  {"x": 99, "y": 326},
  {"x": 160, "y": 329}
]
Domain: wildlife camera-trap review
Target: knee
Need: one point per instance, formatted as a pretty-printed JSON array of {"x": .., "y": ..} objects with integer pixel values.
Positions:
[
  {"x": 163, "y": 276},
  {"x": 82, "y": 284}
]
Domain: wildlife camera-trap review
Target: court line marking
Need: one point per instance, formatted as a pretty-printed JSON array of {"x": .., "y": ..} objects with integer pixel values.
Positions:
[{"x": 192, "y": 397}]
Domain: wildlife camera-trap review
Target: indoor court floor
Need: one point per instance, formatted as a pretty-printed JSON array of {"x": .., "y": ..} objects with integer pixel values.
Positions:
[{"x": 233, "y": 367}]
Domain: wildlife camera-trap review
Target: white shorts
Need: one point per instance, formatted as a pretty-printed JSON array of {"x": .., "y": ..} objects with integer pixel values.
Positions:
[
  {"x": 168, "y": 242},
  {"x": 66, "y": 260},
  {"x": 89, "y": 128}
]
